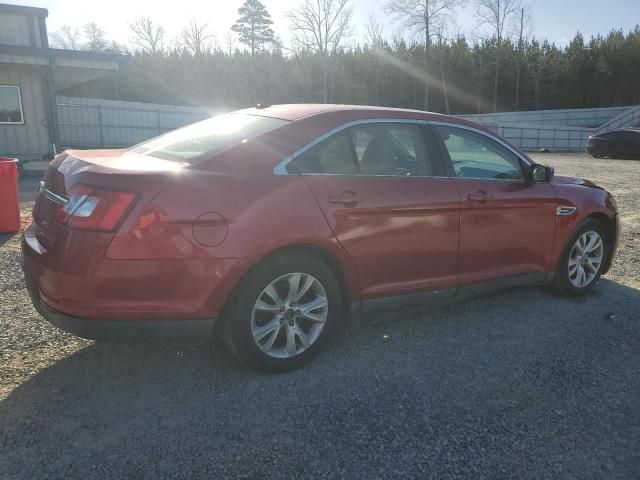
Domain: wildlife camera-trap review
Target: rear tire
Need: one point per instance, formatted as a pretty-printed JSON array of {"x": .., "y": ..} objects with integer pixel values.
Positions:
[
  {"x": 583, "y": 260},
  {"x": 273, "y": 327}
]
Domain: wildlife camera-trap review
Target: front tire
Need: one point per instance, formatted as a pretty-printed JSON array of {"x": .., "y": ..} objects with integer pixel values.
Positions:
[
  {"x": 583, "y": 260},
  {"x": 283, "y": 312}
]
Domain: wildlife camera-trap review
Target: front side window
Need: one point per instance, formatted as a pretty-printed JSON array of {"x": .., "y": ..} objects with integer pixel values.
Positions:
[
  {"x": 206, "y": 138},
  {"x": 375, "y": 149},
  {"x": 10, "y": 104},
  {"x": 476, "y": 156}
]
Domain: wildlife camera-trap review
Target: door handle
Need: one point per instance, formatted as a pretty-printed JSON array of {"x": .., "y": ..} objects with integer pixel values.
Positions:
[
  {"x": 480, "y": 196},
  {"x": 348, "y": 199}
]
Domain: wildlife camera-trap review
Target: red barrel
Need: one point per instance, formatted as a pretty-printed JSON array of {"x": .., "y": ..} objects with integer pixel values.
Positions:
[{"x": 9, "y": 200}]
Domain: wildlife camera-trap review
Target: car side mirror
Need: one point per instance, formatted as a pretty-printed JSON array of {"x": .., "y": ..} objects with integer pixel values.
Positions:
[{"x": 540, "y": 173}]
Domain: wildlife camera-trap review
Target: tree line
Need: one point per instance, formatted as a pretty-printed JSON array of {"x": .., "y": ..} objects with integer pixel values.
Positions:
[{"x": 498, "y": 67}]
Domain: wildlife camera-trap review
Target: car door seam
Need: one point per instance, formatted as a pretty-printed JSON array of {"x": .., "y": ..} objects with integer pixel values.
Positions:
[{"x": 335, "y": 237}]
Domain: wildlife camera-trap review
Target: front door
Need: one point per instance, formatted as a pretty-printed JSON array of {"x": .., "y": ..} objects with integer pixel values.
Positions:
[
  {"x": 377, "y": 187},
  {"x": 507, "y": 222}
]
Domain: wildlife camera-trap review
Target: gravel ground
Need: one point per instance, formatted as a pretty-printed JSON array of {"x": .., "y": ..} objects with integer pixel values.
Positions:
[{"x": 521, "y": 384}]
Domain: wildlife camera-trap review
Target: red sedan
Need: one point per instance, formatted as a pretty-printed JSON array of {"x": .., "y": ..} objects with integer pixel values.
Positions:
[{"x": 272, "y": 224}]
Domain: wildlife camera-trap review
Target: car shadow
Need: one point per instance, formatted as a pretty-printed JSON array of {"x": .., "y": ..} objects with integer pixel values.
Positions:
[{"x": 156, "y": 407}]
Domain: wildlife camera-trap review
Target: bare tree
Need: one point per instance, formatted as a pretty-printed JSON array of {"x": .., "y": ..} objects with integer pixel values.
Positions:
[
  {"x": 424, "y": 18},
  {"x": 96, "y": 37},
  {"x": 375, "y": 42},
  {"x": 116, "y": 47},
  {"x": 277, "y": 46},
  {"x": 147, "y": 35},
  {"x": 321, "y": 26},
  {"x": 196, "y": 37},
  {"x": 479, "y": 70},
  {"x": 522, "y": 26},
  {"x": 443, "y": 76},
  {"x": 230, "y": 42},
  {"x": 497, "y": 15},
  {"x": 375, "y": 29},
  {"x": 67, "y": 37}
]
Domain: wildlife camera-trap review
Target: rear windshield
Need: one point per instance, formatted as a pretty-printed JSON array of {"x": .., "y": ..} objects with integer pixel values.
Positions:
[{"x": 206, "y": 138}]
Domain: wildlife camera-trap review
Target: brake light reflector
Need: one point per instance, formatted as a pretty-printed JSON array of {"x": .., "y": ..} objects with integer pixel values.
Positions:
[{"x": 92, "y": 208}]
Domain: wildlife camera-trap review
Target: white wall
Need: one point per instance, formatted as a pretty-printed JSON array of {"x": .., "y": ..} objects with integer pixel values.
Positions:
[{"x": 29, "y": 141}]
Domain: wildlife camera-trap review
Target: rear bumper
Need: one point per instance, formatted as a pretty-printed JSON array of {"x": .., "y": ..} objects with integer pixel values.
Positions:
[
  {"x": 73, "y": 276},
  {"x": 172, "y": 331}
]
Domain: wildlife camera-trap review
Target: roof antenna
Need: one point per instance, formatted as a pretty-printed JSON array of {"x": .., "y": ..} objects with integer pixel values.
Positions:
[{"x": 260, "y": 106}]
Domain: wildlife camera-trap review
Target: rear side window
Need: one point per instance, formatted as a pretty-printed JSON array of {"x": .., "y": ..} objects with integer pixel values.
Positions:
[
  {"x": 613, "y": 135},
  {"x": 375, "y": 149},
  {"x": 476, "y": 156},
  {"x": 392, "y": 149},
  {"x": 331, "y": 156},
  {"x": 203, "y": 139}
]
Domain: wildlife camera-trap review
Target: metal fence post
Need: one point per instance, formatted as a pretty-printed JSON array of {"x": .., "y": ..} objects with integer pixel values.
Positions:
[
  {"x": 101, "y": 133},
  {"x": 158, "y": 121}
]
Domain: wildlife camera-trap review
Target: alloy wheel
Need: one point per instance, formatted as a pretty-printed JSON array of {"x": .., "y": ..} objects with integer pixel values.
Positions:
[
  {"x": 289, "y": 315},
  {"x": 585, "y": 259}
]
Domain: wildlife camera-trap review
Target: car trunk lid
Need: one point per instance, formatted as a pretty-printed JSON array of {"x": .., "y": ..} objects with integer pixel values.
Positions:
[{"x": 112, "y": 170}]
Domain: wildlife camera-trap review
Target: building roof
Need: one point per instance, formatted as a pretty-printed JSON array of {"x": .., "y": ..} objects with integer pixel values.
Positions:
[
  {"x": 70, "y": 67},
  {"x": 61, "y": 53},
  {"x": 22, "y": 10}
]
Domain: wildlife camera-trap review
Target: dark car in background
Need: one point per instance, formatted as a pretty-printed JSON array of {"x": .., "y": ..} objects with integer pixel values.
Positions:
[{"x": 623, "y": 143}]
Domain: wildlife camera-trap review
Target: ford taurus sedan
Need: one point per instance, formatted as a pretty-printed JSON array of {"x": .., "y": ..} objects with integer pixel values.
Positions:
[{"x": 269, "y": 225}]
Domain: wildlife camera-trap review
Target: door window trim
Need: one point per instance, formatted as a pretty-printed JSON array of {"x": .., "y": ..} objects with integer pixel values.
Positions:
[
  {"x": 281, "y": 168},
  {"x": 444, "y": 158},
  {"x": 525, "y": 162}
]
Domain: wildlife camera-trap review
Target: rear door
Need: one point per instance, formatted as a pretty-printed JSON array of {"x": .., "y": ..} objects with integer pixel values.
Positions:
[
  {"x": 507, "y": 222},
  {"x": 382, "y": 190}
]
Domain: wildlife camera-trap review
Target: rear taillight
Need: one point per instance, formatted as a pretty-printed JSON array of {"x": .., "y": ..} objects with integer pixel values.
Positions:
[{"x": 90, "y": 208}]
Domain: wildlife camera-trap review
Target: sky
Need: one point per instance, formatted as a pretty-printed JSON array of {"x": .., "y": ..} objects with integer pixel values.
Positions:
[{"x": 556, "y": 20}]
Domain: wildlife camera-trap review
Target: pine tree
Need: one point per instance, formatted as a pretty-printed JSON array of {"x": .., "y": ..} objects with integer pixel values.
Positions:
[{"x": 254, "y": 26}]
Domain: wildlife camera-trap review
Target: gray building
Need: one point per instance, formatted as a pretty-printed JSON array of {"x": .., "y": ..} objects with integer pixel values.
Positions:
[{"x": 30, "y": 75}]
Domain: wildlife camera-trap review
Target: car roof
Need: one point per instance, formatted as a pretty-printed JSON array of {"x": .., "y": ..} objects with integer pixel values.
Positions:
[
  {"x": 618, "y": 130},
  {"x": 630, "y": 129},
  {"x": 293, "y": 112},
  {"x": 321, "y": 118}
]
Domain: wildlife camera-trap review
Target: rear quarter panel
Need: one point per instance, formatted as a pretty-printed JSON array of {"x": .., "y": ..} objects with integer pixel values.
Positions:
[{"x": 255, "y": 213}]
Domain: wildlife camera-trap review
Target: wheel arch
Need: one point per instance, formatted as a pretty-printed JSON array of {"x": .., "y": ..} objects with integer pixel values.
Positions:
[
  {"x": 345, "y": 276},
  {"x": 610, "y": 227},
  {"x": 611, "y": 230},
  {"x": 331, "y": 260}
]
